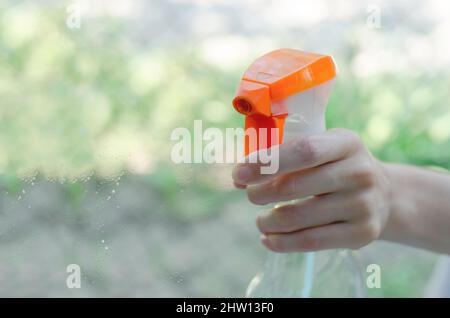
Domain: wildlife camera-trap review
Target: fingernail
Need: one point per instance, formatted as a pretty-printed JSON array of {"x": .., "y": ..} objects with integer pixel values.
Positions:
[
  {"x": 240, "y": 186},
  {"x": 243, "y": 175}
]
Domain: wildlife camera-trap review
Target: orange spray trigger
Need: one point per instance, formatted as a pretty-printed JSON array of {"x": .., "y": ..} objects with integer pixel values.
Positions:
[{"x": 267, "y": 87}]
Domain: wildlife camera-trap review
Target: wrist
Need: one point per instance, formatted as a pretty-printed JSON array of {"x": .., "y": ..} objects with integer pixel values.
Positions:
[
  {"x": 418, "y": 202},
  {"x": 400, "y": 204}
]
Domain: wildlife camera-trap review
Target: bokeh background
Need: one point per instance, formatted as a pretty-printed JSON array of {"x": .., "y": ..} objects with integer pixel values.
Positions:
[{"x": 86, "y": 115}]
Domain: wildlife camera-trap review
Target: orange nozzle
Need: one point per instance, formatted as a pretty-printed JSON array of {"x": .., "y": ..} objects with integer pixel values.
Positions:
[
  {"x": 252, "y": 98},
  {"x": 272, "y": 78}
]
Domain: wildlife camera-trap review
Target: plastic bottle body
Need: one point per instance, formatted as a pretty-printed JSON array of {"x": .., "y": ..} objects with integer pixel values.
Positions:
[
  {"x": 324, "y": 274},
  {"x": 333, "y": 273}
]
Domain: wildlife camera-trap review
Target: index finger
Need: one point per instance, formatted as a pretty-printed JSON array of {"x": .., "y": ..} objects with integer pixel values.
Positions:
[{"x": 300, "y": 153}]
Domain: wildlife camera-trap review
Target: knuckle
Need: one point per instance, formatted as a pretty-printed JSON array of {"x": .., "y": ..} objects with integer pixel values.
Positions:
[
  {"x": 289, "y": 187},
  {"x": 363, "y": 235},
  {"x": 349, "y": 135},
  {"x": 370, "y": 231},
  {"x": 365, "y": 205},
  {"x": 365, "y": 175},
  {"x": 285, "y": 186},
  {"x": 306, "y": 149},
  {"x": 353, "y": 137}
]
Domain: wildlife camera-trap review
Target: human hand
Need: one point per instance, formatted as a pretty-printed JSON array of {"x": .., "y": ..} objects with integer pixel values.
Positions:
[{"x": 344, "y": 192}]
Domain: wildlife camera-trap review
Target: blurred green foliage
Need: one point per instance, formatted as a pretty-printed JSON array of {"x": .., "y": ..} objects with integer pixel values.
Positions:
[
  {"x": 73, "y": 102},
  {"x": 402, "y": 117}
]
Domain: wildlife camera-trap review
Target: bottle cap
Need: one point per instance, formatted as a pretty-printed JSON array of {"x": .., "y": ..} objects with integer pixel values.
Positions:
[{"x": 271, "y": 79}]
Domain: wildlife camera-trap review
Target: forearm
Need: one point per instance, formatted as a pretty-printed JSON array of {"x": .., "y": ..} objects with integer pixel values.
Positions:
[{"x": 420, "y": 208}]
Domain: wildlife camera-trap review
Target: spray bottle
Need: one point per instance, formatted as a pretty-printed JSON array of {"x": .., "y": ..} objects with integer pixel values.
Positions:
[{"x": 288, "y": 90}]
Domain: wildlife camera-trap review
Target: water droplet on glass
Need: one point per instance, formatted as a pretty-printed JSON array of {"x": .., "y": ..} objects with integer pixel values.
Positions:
[{"x": 177, "y": 278}]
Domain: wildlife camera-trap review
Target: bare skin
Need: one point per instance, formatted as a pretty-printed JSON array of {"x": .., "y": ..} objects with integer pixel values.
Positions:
[{"x": 348, "y": 198}]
